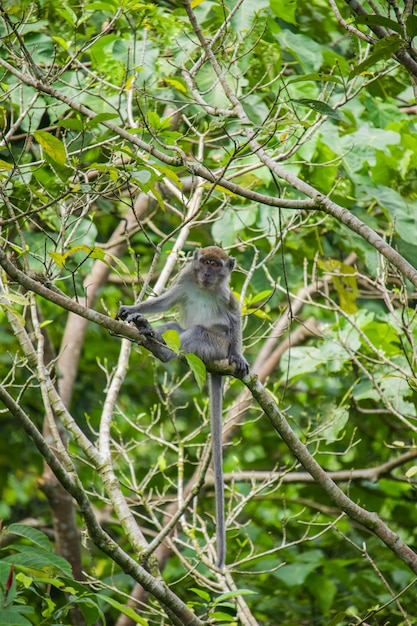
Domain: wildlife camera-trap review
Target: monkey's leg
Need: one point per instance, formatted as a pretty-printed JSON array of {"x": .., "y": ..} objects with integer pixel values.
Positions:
[{"x": 206, "y": 344}]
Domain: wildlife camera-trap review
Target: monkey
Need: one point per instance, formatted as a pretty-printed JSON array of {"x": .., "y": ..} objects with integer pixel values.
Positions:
[{"x": 210, "y": 327}]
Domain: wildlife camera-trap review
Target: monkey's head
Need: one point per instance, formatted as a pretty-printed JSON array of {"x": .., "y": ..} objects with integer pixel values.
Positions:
[{"x": 212, "y": 266}]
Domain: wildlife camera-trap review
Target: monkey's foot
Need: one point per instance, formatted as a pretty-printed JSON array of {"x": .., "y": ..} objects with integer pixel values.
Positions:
[{"x": 242, "y": 367}]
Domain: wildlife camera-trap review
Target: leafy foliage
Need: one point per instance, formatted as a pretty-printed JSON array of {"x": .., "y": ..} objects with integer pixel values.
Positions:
[{"x": 132, "y": 132}]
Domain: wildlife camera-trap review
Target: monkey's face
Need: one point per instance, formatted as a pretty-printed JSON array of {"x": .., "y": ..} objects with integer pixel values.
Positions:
[
  {"x": 212, "y": 267},
  {"x": 209, "y": 272}
]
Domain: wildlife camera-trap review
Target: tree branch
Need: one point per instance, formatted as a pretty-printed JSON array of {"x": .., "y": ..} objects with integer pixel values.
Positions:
[
  {"x": 367, "y": 518},
  {"x": 340, "y": 476}
]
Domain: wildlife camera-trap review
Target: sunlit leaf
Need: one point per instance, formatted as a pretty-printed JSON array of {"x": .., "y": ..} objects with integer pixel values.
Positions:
[
  {"x": 412, "y": 471},
  {"x": 345, "y": 282},
  {"x": 18, "y": 298},
  {"x": 201, "y": 594},
  {"x": 123, "y": 608},
  {"x": 236, "y": 593},
  {"x": 53, "y": 146},
  {"x": 162, "y": 462},
  {"x": 72, "y": 123},
  {"x": 174, "y": 82},
  {"x": 172, "y": 339}
]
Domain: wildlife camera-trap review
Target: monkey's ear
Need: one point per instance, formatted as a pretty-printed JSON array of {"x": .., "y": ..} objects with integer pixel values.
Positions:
[
  {"x": 231, "y": 263},
  {"x": 196, "y": 254}
]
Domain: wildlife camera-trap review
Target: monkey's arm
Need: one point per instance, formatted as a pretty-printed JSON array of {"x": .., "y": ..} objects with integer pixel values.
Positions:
[{"x": 153, "y": 305}]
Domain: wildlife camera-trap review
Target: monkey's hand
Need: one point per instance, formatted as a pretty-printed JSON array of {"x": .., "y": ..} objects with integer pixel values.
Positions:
[
  {"x": 128, "y": 314},
  {"x": 242, "y": 367}
]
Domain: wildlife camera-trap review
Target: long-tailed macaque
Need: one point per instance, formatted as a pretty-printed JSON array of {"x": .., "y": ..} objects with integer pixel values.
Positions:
[{"x": 210, "y": 327}]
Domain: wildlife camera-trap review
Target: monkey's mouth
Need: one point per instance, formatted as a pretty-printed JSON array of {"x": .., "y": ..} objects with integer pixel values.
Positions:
[{"x": 207, "y": 281}]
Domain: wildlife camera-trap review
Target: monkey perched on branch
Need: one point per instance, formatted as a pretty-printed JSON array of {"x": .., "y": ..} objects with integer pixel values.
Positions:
[{"x": 210, "y": 327}]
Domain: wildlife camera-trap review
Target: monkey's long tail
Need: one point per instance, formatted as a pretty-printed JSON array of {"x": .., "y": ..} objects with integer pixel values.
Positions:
[{"x": 216, "y": 406}]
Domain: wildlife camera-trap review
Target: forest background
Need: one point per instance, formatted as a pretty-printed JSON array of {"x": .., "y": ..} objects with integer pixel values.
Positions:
[{"x": 131, "y": 133}]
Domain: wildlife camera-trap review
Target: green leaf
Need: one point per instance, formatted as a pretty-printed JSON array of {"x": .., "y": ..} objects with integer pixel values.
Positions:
[
  {"x": 383, "y": 49},
  {"x": 12, "y": 616},
  {"x": 262, "y": 295},
  {"x": 5, "y": 166},
  {"x": 338, "y": 420},
  {"x": 198, "y": 368},
  {"x": 317, "y": 77},
  {"x": 224, "y": 617},
  {"x": 172, "y": 339},
  {"x": 94, "y": 253},
  {"x": 72, "y": 123},
  {"x": 28, "y": 557},
  {"x": 101, "y": 6},
  {"x": 13, "y": 312},
  {"x": 162, "y": 462},
  {"x": 201, "y": 594},
  {"x": 33, "y": 534},
  {"x": 320, "y": 107},
  {"x": 154, "y": 120},
  {"x": 124, "y": 609},
  {"x": 174, "y": 82},
  {"x": 379, "y": 20},
  {"x": 295, "y": 574},
  {"x": 124, "y": 269},
  {"x": 26, "y": 581},
  {"x": 284, "y": 9},
  {"x": 101, "y": 117},
  {"x": 344, "y": 280},
  {"x": 53, "y": 146},
  {"x": 61, "y": 42},
  {"x": 90, "y": 609},
  {"x": 233, "y": 594},
  {"x": 58, "y": 258},
  {"x": 411, "y": 26},
  {"x": 17, "y": 298},
  {"x": 256, "y": 312}
]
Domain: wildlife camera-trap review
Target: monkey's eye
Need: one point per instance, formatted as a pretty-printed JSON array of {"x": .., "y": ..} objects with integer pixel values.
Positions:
[{"x": 210, "y": 262}]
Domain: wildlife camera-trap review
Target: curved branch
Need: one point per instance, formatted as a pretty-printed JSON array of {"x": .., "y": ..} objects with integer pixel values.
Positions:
[
  {"x": 49, "y": 292},
  {"x": 368, "y": 519}
]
